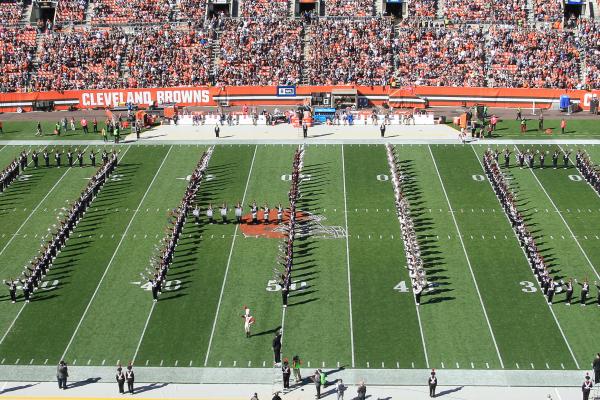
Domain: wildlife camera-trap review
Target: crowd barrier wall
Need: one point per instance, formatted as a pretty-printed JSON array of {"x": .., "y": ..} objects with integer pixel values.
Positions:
[{"x": 419, "y": 97}]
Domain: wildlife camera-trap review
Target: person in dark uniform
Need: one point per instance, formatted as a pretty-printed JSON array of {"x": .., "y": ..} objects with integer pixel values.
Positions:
[
  {"x": 569, "y": 290},
  {"x": 12, "y": 289},
  {"x": 285, "y": 291},
  {"x": 130, "y": 377},
  {"x": 104, "y": 157},
  {"x": 542, "y": 157},
  {"x": 566, "y": 159},
  {"x": 80, "y": 158},
  {"x": 93, "y": 158},
  {"x": 541, "y": 121},
  {"x": 506, "y": 158},
  {"x": 550, "y": 291},
  {"x": 46, "y": 158},
  {"x": 121, "y": 380},
  {"x": 35, "y": 158},
  {"x": 254, "y": 212},
  {"x": 585, "y": 288},
  {"x": 38, "y": 129},
  {"x": 521, "y": 159},
  {"x": 277, "y": 347},
  {"x": 304, "y": 130},
  {"x": 555, "y": 159},
  {"x": 596, "y": 367},
  {"x": 598, "y": 296},
  {"x": 238, "y": 213},
  {"x": 217, "y": 130},
  {"x": 432, "y": 382},
  {"x": 382, "y": 130},
  {"x": 286, "y": 372},
  {"x": 266, "y": 211},
  {"x": 62, "y": 373},
  {"x": 95, "y": 125},
  {"x": 418, "y": 290},
  {"x": 57, "y": 155},
  {"x": 154, "y": 284},
  {"x": 586, "y": 387},
  {"x": 70, "y": 157}
]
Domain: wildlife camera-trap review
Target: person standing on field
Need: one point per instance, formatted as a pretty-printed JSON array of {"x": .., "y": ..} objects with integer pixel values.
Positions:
[
  {"x": 130, "y": 377},
  {"x": 596, "y": 366},
  {"x": 563, "y": 126},
  {"x": 286, "y": 372},
  {"x": 432, "y": 382},
  {"x": 277, "y": 347},
  {"x": 339, "y": 388},
  {"x": 586, "y": 387},
  {"x": 362, "y": 390},
  {"x": 62, "y": 373},
  {"x": 296, "y": 363},
  {"x": 120, "y": 380},
  {"x": 317, "y": 380}
]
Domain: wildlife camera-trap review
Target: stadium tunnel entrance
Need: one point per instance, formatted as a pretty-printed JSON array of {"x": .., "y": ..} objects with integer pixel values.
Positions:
[
  {"x": 43, "y": 10},
  {"x": 217, "y": 7},
  {"x": 396, "y": 8},
  {"x": 303, "y": 6}
]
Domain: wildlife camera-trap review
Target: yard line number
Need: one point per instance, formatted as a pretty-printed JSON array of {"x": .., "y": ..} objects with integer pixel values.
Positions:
[
  {"x": 288, "y": 177},
  {"x": 175, "y": 284},
  {"x": 401, "y": 287},
  {"x": 274, "y": 286},
  {"x": 575, "y": 178},
  {"x": 529, "y": 287}
]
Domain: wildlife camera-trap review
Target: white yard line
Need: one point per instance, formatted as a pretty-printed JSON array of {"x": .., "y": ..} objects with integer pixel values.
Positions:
[
  {"x": 115, "y": 252},
  {"x": 467, "y": 257},
  {"x": 12, "y": 323},
  {"x": 564, "y": 221},
  {"x": 137, "y": 348},
  {"x": 541, "y": 291},
  {"x": 348, "y": 256},
  {"x": 212, "y": 333}
]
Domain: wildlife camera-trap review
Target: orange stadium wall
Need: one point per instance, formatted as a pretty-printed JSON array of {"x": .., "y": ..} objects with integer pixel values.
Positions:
[{"x": 419, "y": 96}]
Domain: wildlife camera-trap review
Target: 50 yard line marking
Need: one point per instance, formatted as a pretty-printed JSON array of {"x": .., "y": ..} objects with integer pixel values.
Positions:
[
  {"x": 348, "y": 255},
  {"x": 467, "y": 257},
  {"x": 563, "y": 219},
  {"x": 551, "y": 310},
  {"x": 114, "y": 253},
  {"x": 212, "y": 332}
]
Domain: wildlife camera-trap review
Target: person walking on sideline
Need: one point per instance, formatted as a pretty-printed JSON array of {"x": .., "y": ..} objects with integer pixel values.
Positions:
[
  {"x": 382, "y": 130},
  {"x": 563, "y": 126},
  {"x": 217, "y": 130},
  {"x": 586, "y": 388},
  {"x": 286, "y": 372},
  {"x": 62, "y": 373},
  {"x": 121, "y": 380},
  {"x": 277, "y": 347},
  {"x": 432, "y": 381},
  {"x": 596, "y": 366}
]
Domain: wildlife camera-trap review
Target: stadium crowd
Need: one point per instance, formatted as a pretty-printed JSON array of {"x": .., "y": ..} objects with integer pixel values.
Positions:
[
  {"x": 168, "y": 56},
  {"x": 480, "y": 11},
  {"x": 423, "y": 8},
  {"x": 129, "y": 11},
  {"x": 547, "y": 10},
  {"x": 80, "y": 59},
  {"x": 260, "y": 51},
  {"x": 350, "y": 8},
  {"x": 17, "y": 51},
  {"x": 274, "y": 9},
  {"x": 71, "y": 11},
  {"x": 414, "y": 262},
  {"x": 350, "y": 51},
  {"x": 589, "y": 35},
  {"x": 536, "y": 58},
  {"x": 588, "y": 170},
  {"x": 437, "y": 55},
  {"x": 157, "y": 275},
  {"x": 10, "y": 12}
]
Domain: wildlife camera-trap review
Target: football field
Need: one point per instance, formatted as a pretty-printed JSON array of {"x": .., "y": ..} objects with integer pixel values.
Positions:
[{"x": 352, "y": 303}]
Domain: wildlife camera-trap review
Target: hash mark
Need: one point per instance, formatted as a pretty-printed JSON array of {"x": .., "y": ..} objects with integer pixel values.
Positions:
[
  {"x": 562, "y": 366},
  {"x": 16, "y": 362},
  {"x": 31, "y": 362},
  {"x": 190, "y": 363},
  {"x": 3, "y": 361},
  {"x": 176, "y": 362},
  {"x": 103, "y": 362},
  {"x": 472, "y": 365},
  {"x": 161, "y": 363},
  {"x": 46, "y": 361},
  {"x": 413, "y": 364},
  {"x": 234, "y": 363},
  {"x": 547, "y": 366},
  {"x": 264, "y": 363},
  {"x": 147, "y": 361},
  {"x": 443, "y": 365},
  {"x": 89, "y": 361},
  {"x": 457, "y": 366},
  {"x": 397, "y": 364},
  {"x": 518, "y": 366},
  {"x": 382, "y": 365},
  {"x": 368, "y": 366},
  {"x": 487, "y": 365},
  {"x": 249, "y": 363},
  {"x": 532, "y": 367},
  {"x": 219, "y": 363}
]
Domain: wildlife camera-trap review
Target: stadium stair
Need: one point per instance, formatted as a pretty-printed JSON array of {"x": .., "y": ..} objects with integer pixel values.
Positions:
[
  {"x": 378, "y": 7},
  {"x": 441, "y": 9},
  {"x": 89, "y": 11},
  {"x": 305, "y": 53},
  {"x": 530, "y": 12},
  {"x": 26, "y": 16}
]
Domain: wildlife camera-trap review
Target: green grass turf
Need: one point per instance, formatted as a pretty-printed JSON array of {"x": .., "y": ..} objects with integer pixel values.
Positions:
[
  {"x": 78, "y": 269},
  {"x": 26, "y": 130},
  {"x": 576, "y": 129},
  {"x": 317, "y": 323},
  {"x": 45, "y": 207},
  {"x": 386, "y": 329},
  {"x": 200, "y": 263},
  {"x": 101, "y": 335},
  {"x": 499, "y": 265},
  {"x": 555, "y": 241}
]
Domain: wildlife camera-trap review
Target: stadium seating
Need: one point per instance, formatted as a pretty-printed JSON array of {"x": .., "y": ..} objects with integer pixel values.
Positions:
[
  {"x": 71, "y": 11},
  {"x": 589, "y": 35},
  {"x": 537, "y": 58},
  {"x": 133, "y": 11},
  {"x": 17, "y": 48},
  {"x": 547, "y": 10},
  {"x": 350, "y": 8},
  {"x": 169, "y": 56},
  {"x": 350, "y": 51},
  {"x": 260, "y": 51},
  {"x": 10, "y": 12},
  {"x": 264, "y": 8},
  {"x": 436, "y": 55},
  {"x": 192, "y": 9},
  {"x": 422, "y": 8},
  {"x": 78, "y": 59},
  {"x": 481, "y": 11}
]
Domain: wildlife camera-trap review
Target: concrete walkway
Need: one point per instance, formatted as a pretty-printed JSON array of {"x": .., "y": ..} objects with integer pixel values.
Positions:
[{"x": 99, "y": 390}]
